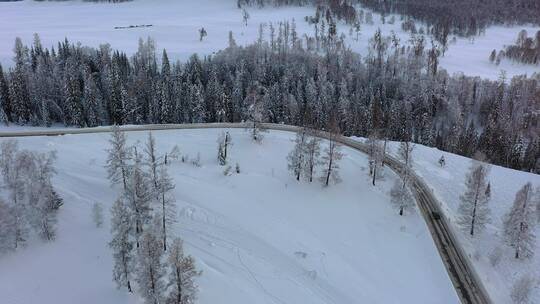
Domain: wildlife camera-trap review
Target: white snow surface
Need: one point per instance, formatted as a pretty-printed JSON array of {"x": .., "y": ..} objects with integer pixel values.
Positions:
[
  {"x": 448, "y": 184},
  {"x": 176, "y": 23},
  {"x": 258, "y": 236}
]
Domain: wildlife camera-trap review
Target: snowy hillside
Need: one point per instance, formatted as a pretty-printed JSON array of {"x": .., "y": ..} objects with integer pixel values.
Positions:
[
  {"x": 448, "y": 184},
  {"x": 175, "y": 25},
  {"x": 259, "y": 236}
]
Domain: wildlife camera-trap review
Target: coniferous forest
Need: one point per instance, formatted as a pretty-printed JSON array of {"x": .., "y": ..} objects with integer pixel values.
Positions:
[{"x": 397, "y": 92}]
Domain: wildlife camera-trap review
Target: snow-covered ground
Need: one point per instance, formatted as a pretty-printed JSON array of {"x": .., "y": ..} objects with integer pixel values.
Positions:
[
  {"x": 259, "y": 236},
  {"x": 448, "y": 184},
  {"x": 176, "y": 23}
]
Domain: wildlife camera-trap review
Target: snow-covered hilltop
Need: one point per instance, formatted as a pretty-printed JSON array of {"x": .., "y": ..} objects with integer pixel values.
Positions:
[{"x": 258, "y": 236}]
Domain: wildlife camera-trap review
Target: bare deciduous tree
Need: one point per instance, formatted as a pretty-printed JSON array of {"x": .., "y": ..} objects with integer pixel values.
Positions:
[
  {"x": 474, "y": 210},
  {"x": 376, "y": 157},
  {"x": 519, "y": 223},
  {"x": 122, "y": 243},
  {"x": 313, "y": 151},
  {"x": 118, "y": 157},
  {"x": 331, "y": 156},
  {"x": 521, "y": 290},
  {"x": 150, "y": 267},
  {"x": 182, "y": 273},
  {"x": 297, "y": 158},
  {"x": 166, "y": 198}
]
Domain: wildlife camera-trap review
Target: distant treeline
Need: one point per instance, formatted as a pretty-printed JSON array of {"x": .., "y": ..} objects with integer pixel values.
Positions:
[
  {"x": 461, "y": 17},
  {"x": 396, "y": 92},
  {"x": 443, "y": 17},
  {"x": 525, "y": 50}
]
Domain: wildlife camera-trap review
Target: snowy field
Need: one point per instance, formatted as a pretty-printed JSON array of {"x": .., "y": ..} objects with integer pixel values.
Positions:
[
  {"x": 448, "y": 184},
  {"x": 259, "y": 236},
  {"x": 176, "y": 23}
]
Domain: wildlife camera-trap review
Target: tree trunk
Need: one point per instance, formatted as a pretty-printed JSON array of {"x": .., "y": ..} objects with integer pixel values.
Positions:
[
  {"x": 329, "y": 170},
  {"x": 374, "y": 173},
  {"x": 473, "y": 218},
  {"x": 179, "y": 286},
  {"x": 124, "y": 178},
  {"x": 163, "y": 222},
  {"x": 384, "y": 152}
]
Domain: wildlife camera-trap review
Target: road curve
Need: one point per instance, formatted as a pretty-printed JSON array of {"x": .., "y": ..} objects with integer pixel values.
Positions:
[{"x": 464, "y": 277}]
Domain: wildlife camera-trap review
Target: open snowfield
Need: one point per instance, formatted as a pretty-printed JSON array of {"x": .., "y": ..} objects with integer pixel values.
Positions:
[
  {"x": 176, "y": 23},
  {"x": 259, "y": 236},
  {"x": 448, "y": 184}
]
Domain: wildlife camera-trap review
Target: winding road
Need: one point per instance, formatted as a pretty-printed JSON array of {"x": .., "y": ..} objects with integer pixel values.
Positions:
[{"x": 464, "y": 277}]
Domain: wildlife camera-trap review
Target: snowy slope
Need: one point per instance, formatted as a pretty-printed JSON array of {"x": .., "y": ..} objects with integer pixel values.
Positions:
[
  {"x": 448, "y": 184},
  {"x": 259, "y": 236},
  {"x": 176, "y": 23}
]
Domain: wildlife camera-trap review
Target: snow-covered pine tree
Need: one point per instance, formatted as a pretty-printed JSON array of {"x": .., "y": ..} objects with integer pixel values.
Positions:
[
  {"x": 118, "y": 157},
  {"x": 182, "y": 273},
  {"x": 332, "y": 155},
  {"x": 5, "y": 99},
  {"x": 166, "y": 91},
  {"x": 122, "y": 243},
  {"x": 74, "y": 95},
  {"x": 165, "y": 187},
  {"x": 138, "y": 194},
  {"x": 18, "y": 90},
  {"x": 401, "y": 195},
  {"x": 118, "y": 98},
  {"x": 297, "y": 157},
  {"x": 474, "y": 209},
  {"x": 92, "y": 102},
  {"x": 313, "y": 151},
  {"x": 519, "y": 223},
  {"x": 150, "y": 268}
]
